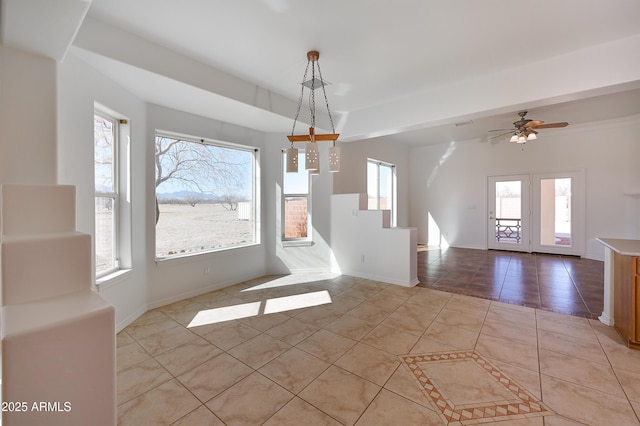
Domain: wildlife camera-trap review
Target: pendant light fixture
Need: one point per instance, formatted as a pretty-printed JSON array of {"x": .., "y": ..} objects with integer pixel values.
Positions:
[
  {"x": 292, "y": 160},
  {"x": 312, "y": 154},
  {"x": 334, "y": 158}
]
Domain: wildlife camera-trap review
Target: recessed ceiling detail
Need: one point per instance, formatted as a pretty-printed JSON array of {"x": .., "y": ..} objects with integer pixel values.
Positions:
[{"x": 410, "y": 77}]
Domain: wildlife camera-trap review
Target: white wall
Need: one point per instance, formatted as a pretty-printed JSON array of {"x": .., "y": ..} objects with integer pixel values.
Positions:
[
  {"x": 27, "y": 117},
  {"x": 282, "y": 259},
  {"x": 449, "y": 180},
  {"x": 172, "y": 280},
  {"x": 446, "y": 180},
  {"x": 79, "y": 86},
  {"x": 365, "y": 245},
  {"x": 149, "y": 283},
  {"x": 352, "y": 178}
]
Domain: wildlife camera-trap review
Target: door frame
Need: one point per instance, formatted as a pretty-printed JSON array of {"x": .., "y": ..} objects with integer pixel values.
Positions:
[
  {"x": 525, "y": 220},
  {"x": 530, "y": 212},
  {"x": 578, "y": 219}
]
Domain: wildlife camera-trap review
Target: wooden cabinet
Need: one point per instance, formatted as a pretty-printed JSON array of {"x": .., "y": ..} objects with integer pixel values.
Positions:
[
  {"x": 635, "y": 305},
  {"x": 627, "y": 298}
]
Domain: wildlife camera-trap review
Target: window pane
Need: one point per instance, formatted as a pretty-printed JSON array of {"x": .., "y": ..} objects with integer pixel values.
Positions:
[
  {"x": 372, "y": 185},
  {"x": 555, "y": 212},
  {"x": 106, "y": 214},
  {"x": 103, "y": 153},
  {"x": 295, "y": 217},
  {"x": 105, "y": 230},
  {"x": 295, "y": 193},
  {"x": 386, "y": 187},
  {"x": 508, "y": 211},
  {"x": 205, "y": 196},
  {"x": 295, "y": 183},
  {"x": 381, "y": 187}
]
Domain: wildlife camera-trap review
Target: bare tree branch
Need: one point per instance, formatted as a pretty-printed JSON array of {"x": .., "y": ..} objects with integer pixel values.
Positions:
[{"x": 200, "y": 167}]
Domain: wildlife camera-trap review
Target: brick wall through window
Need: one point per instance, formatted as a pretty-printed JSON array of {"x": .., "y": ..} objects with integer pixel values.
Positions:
[{"x": 295, "y": 211}]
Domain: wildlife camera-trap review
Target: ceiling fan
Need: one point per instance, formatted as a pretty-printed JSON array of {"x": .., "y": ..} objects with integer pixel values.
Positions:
[{"x": 525, "y": 129}]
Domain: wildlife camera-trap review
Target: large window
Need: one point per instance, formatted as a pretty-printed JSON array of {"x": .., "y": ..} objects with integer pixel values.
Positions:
[
  {"x": 296, "y": 202},
  {"x": 107, "y": 217},
  {"x": 381, "y": 187},
  {"x": 206, "y": 196}
]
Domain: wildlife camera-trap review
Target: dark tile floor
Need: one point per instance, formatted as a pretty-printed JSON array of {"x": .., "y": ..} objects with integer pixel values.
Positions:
[{"x": 564, "y": 284}]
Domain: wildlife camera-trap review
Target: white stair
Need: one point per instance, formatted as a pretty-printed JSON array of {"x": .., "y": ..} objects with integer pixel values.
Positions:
[
  {"x": 58, "y": 335},
  {"x": 366, "y": 246}
]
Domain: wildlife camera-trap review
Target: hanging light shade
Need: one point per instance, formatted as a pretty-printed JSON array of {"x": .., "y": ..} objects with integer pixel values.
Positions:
[
  {"x": 292, "y": 160},
  {"x": 532, "y": 136},
  {"x": 334, "y": 159},
  {"x": 312, "y": 155},
  {"x": 514, "y": 138}
]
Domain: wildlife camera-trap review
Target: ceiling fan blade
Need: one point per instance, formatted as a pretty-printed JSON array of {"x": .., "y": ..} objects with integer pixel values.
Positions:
[
  {"x": 503, "y": 130},
  {"x": 501, "y": 135},
  {"x": 551, "y": 125},
  {"x": 533, "y": 123}
]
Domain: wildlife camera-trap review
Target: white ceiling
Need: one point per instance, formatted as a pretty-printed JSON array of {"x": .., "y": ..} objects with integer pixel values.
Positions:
[{"x": 407, "y": 69}]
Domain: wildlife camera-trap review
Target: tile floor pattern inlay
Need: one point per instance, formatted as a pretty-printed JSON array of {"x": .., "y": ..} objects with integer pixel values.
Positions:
[
  {"x": 486, "y": 404},
  {"x": 335, "y": 352}
]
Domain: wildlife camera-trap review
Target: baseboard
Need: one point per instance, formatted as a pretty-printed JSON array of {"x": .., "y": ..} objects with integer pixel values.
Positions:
[
  {"x": 199, "y": 291},
  {"x": 606, "y": 319},
  {"x": 131, "y": 318},
  {"x": 312, "y": 270},
  {"x": 389, "y": 280}
]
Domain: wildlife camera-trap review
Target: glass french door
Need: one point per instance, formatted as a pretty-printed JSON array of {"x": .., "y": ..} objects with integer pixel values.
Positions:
[
  {"x": 541, "y": 213},
  {"x": 509, "y": 217},
  {"x": 558, "y": 214}
]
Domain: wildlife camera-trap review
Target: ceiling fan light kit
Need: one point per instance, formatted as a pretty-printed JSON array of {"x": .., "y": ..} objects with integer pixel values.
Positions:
[
  {"x": 312, "y": 155},
  {"x": 525, "y": 129}
]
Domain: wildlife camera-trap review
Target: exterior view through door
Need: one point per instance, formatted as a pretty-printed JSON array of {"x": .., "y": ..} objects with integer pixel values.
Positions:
[{"x": 541, "y": 213}]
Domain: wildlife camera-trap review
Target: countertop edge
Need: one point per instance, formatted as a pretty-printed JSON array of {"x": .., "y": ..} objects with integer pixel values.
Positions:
[{"x": 621, "y": 246}]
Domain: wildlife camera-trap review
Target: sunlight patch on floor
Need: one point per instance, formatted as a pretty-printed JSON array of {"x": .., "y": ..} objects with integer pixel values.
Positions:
[
  {"x": 288, "y": 303},
  {"x": 293, "y": 279},
  {"x": 253, "y": 309},
  {"x": 227, "y": 313}
]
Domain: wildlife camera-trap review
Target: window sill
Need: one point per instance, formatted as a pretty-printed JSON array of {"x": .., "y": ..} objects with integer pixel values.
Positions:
[
  {"x": 298, "y": 243},
  {"x": 196, "y": 256},
  {"x": 112, "y": 279}
]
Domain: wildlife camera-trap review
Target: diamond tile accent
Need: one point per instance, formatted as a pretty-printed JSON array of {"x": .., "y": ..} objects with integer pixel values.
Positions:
[{"x": 521, "y": 405}]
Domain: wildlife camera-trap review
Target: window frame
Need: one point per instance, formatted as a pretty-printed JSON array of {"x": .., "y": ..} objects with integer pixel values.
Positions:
[
  {"x": 255, "y": 192},
  {"x": 114, "y": 195},
  {"x": 393, "y": 195},
  {"x": 289, "y": 241}
]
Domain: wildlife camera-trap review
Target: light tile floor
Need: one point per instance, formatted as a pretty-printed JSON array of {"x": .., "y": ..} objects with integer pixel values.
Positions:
[{"x": 320, "y": 350}]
